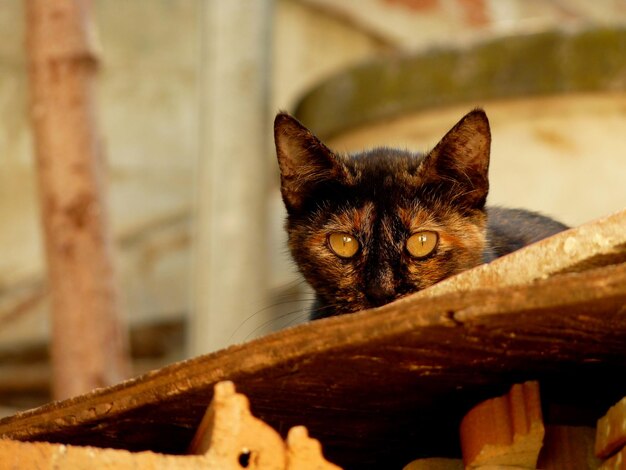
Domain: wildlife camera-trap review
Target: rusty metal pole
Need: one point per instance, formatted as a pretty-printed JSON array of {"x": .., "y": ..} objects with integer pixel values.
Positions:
[{"x": 88, "y": 347}]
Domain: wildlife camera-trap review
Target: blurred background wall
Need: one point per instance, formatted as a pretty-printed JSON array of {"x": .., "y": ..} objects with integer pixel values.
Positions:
[{"x": 563, "y": 155}]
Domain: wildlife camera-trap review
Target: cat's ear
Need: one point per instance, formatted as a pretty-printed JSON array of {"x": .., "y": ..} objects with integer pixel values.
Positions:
[
  {"x": 303, "y": 159},
  {"x": 460, "y": 161}
]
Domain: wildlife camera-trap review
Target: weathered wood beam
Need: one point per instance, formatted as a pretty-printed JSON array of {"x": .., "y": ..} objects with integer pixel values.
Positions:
[{"x": 375, "y": 374}]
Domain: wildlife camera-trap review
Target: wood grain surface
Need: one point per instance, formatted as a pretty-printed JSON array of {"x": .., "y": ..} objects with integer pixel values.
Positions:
[{"x": 386, "y": 385}]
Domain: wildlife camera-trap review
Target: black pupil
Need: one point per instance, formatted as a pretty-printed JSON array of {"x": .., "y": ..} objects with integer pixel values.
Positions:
[{"x": 244, "y": 458}]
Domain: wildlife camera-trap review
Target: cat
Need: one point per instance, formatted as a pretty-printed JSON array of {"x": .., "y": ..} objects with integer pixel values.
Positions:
[{"x": 370, "y": 227}]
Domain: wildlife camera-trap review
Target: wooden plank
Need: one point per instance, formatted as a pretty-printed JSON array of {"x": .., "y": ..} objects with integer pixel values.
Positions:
[{"x": 390, "y": 383}]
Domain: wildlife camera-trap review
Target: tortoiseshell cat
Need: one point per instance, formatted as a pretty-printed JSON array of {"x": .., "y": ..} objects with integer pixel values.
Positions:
[{"x": 370, "y": 227}]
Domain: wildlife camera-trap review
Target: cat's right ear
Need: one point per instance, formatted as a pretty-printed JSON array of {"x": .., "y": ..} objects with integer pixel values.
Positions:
[
  {"x": 459, "y": 163},
  {"x": 303, "y": 159}
]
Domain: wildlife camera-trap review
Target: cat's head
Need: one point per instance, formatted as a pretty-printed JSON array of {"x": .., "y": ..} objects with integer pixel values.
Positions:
[{"x": 367, "y": 228}]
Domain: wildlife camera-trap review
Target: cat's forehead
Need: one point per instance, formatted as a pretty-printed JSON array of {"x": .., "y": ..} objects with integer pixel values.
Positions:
[
  {"x": 382, "y": 175},
  {"x": 382, "y": 162},
  {"x": 370, "y": 212}
]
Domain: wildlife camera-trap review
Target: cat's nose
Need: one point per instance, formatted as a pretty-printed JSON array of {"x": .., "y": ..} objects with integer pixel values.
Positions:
[{"x": 379, "y": 294}]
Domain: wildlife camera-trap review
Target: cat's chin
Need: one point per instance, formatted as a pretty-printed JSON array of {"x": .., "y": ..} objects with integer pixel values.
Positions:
[{"x": 322, "y": 309}]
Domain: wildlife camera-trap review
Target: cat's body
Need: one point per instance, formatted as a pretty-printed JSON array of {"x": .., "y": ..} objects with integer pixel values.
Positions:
[{"x": 371, "y": 227}]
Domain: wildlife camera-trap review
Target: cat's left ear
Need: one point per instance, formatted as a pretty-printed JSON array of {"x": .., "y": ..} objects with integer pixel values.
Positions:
[
  {"x": 460, "y": 161},
  {"x": 304, "y": 161}
]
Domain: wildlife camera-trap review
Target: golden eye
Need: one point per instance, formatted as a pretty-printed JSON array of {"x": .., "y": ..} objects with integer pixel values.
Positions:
[
  {"x": 343, "y": 244},
  {"x": 422, "y": 244}
]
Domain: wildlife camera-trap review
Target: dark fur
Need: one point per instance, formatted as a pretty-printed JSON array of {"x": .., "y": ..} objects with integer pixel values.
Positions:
[{"x": 381, "y": 197}]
